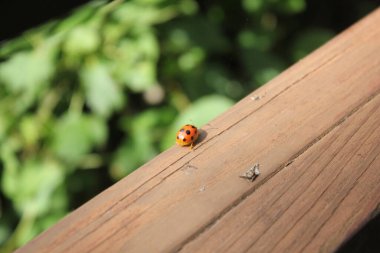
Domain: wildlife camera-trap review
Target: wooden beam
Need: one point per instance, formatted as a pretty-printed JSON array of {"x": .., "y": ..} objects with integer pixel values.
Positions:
[{"x": 314, "y": 130}]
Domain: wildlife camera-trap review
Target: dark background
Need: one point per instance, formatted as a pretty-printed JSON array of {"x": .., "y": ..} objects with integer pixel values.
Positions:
[{"x": 17, "y": 16}]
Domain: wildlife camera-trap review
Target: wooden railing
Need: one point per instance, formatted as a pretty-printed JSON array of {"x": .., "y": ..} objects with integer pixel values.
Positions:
[{"x": 314, "y": 130}]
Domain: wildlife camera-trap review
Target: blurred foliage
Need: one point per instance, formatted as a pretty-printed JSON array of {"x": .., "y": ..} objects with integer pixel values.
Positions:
[{"x": 87, "y": 99}]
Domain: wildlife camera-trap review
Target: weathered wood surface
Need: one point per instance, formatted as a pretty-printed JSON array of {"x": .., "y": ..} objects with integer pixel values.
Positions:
[{"x": 315, "y": 132}]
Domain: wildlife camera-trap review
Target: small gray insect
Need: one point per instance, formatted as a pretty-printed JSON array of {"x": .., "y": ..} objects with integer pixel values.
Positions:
[{"x": 252, "y": 173}]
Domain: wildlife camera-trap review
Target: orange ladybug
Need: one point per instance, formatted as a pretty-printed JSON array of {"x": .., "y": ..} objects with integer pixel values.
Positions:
[{"x": 187, "y": 135}]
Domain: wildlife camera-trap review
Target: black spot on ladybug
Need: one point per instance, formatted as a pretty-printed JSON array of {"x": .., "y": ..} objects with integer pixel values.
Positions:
[
  {"x": 192, "y": 126},
  {"x": 177, "y": 137},
  {"x": 187, "y": 131},
  {"x": 192, "y": 137},
  {"x": 184, "y": 139},
  {"x": 182, "y": 130}
]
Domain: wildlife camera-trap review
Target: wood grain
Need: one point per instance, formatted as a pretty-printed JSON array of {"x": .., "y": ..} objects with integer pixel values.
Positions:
[
  {"x": 312, "y": 204},
  {"x": 315, "y": 133}
]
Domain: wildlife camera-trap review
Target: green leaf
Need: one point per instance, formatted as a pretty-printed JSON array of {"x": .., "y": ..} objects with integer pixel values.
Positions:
[
  {"x": 141, "y": 76},
  {"x": 34, "y": 184},
  {"x": 82, "y": 40},
  {"x": 198, "y": 113},
  {"x": 75, "y": 135},
  {"x": 253, "y": 5},
  {"x": 125, "y": 160},
  {"x": 144, "y": 134},
  {"x": 292, "y": 6},
  {"x": 188, "y": 7},
  {"x": 191, "y": 59},
  {"x": 30, "y": 129},
  {"x": 135, "y": 63},
  {"x": 134, "y": 14},
  {"x": 259, "y": 40},
  {"x": 27, "y": 72},
  {"x": 9, "y": 183},
  {"x": 38, "y": 180},
  {"x": 5, "y": 123},
  {"x": 103, "y": 95}
]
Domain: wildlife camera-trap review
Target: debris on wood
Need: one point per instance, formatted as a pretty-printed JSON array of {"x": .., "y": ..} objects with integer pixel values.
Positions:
[
  {"x": 252, "y": 173},
  {"x": 256, "y": 97}
]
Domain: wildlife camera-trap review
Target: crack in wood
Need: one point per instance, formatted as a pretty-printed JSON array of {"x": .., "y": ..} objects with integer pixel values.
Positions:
[
  {"x": 286, "y": 209},
  {"x": 338, "y": 204},
  {"x": 141, "y": 195},
  {"x": 332, "y": 157},
  {"x": 327, "y": 187},
  {"x": 255, "y": 187}
]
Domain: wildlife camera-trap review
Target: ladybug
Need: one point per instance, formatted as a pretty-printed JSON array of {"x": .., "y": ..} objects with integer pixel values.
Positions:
[{"x": 187, "y": 135}]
